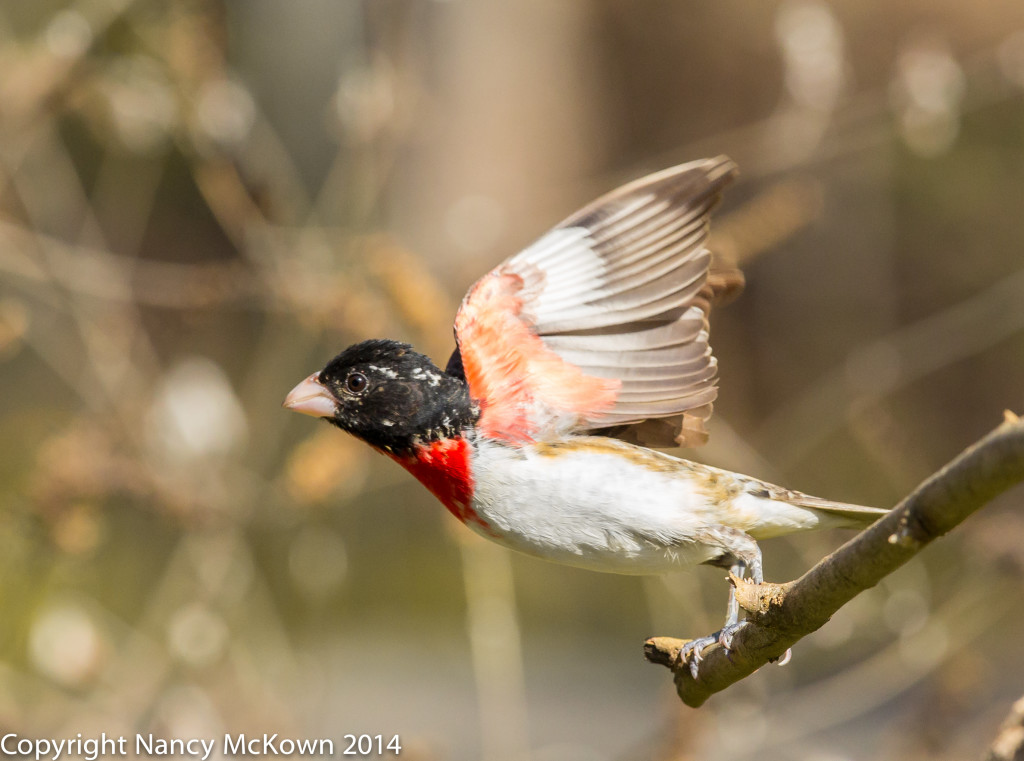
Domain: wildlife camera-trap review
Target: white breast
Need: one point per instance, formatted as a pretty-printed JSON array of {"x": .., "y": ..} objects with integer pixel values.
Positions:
[
  {"x": 597, "y": 511},
  {"x": 620, "y": 509}
]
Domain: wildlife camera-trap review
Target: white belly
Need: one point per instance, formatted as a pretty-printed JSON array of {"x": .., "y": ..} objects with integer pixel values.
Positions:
[{"x": 597, "y": 511}]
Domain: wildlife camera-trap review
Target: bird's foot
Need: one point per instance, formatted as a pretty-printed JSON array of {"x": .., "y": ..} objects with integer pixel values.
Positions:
[{"x": 692, "y": 651}]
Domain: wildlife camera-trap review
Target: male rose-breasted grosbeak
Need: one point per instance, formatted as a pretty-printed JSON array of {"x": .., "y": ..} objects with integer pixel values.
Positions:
[{"x": 572, "y": 357}]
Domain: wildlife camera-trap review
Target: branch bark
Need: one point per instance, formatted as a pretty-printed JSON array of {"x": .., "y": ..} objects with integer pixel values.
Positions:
[{"x": 782, "y": 614}]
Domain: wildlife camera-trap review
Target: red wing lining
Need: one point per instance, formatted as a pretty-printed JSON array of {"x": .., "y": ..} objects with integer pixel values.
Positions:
[
  {"x": 520, "y": 384},
  {"x": 602, "y": 322}
]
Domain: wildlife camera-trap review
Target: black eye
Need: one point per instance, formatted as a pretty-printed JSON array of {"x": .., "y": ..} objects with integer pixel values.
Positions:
[{"x": 356, "y": 383}]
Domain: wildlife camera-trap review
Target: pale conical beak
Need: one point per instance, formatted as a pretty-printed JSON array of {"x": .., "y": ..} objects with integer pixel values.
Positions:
[{"x": 311, "y": 397}]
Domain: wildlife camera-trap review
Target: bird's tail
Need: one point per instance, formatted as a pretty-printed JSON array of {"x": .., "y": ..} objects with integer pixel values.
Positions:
[{"x": 842, "y": 515}]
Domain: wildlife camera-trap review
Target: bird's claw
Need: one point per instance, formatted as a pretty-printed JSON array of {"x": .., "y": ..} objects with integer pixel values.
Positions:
[
  {"x": 728, "y": 632},
  {"x": 693, "y": 651}
]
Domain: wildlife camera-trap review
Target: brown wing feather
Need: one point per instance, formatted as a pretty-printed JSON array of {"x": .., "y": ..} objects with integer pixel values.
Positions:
[{"x": 619, "y": 292}]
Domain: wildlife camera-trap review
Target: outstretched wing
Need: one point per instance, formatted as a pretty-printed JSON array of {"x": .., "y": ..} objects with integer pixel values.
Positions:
[{"x": 602, "y": 323}]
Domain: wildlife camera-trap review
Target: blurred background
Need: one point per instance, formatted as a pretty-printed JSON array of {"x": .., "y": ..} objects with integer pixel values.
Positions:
[{"x": 201, "y": 202}]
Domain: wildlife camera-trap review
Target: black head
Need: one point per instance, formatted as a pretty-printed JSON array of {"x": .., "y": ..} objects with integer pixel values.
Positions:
[{"x": 388, "y": 395}]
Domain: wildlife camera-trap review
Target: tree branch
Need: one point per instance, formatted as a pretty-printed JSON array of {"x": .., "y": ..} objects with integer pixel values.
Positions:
[{"x": 782, "y": 614}]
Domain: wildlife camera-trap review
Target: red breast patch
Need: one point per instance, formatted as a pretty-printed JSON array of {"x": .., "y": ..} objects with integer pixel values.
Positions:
[{"x": 444, "y": 468}]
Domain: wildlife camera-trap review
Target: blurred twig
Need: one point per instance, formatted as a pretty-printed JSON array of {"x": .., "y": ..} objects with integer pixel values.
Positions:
[
  {"x": 782, "y": 614},
  {"x": 881, "y": 367},
  {"x": 94, "y": 272},
  {"x": 35, "y": 78},
  {"x": 496, "y": 648},
  {"x": 770, "y": 218},
  {"x": 1009, "y": 743}
]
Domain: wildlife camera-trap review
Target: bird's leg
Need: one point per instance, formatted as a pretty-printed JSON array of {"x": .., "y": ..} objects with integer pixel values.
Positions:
[
  {"x": 741, "y": 554},
  {"x": 732, "y": 608},
  {"x": 732, "y": 622},
  {"x": 693, "y": 650}
]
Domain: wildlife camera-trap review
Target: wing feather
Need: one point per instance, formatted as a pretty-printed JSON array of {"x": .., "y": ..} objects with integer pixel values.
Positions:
[{"x": 602, "y": 322}]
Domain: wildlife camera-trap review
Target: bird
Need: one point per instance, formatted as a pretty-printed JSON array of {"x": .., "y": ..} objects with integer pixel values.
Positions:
[{"x": 577, "y": 360}]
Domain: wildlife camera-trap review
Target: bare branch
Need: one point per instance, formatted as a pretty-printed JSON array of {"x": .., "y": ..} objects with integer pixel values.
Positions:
[{"x": 782, "y": 614}]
